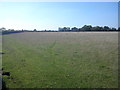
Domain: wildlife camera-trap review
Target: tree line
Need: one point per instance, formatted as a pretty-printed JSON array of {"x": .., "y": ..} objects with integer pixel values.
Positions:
[
  {"x": 88, "y": 28},
  {"x": 64, "y": 29}
]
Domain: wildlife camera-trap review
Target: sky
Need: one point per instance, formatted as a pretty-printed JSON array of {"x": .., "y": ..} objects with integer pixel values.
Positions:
[{"x": 51, "y": 15}]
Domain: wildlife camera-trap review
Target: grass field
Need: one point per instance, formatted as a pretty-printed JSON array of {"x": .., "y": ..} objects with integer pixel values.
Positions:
[{"x": 61, "y": 60}]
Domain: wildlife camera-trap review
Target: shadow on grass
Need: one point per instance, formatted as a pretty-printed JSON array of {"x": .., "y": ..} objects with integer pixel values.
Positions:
[{"x": 3, "y": 85}]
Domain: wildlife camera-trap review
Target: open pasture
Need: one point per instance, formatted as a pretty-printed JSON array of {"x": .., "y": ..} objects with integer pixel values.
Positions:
[{"x": 61, "y": 60}]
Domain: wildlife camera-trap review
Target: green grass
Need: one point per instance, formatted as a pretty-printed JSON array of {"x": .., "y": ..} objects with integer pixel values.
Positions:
[{"x": 61, "y": 60}]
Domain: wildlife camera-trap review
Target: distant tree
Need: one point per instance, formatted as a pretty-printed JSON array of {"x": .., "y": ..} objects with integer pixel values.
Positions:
[
  {"x": 34, "y": 30},
  {"x": 65, "y": 29},
  {"x": 97, "y": 28},
  {"x": 106, "y": 28},
  {"x": 12, "y": 30},
  {"x": 59, "y": 29},
  {"x": 68, "y": 29},
  {"x": 2, "y": 29},
  {"x": 86, "y": 28},
  {"x": 79, "y": 29},
  {"x": 74, "y": 29},
  {"x": 113, "y": 29},
  {"x": 119, "y": 29}
]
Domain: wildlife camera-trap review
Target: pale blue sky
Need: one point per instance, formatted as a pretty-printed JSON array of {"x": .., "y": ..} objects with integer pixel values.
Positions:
[{"x": 51, "y": 15}]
